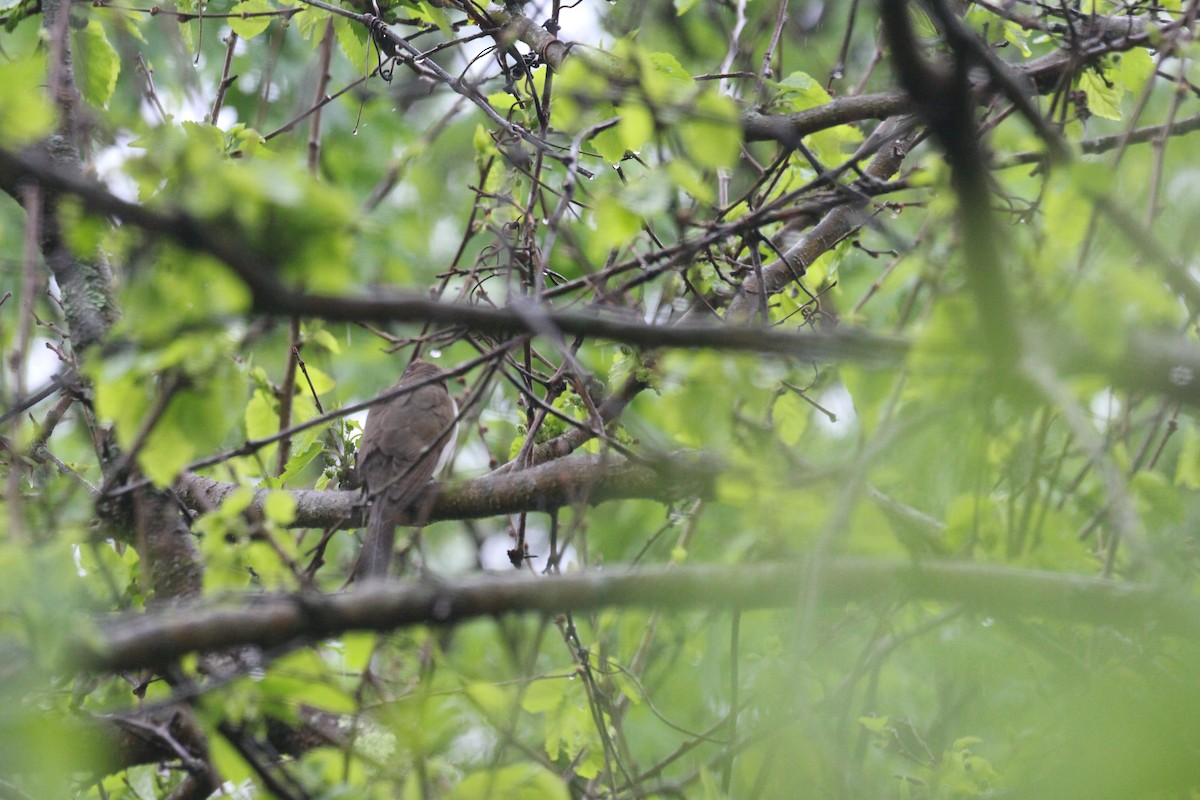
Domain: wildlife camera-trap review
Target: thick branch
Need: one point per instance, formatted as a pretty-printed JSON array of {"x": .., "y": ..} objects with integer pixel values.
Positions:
[
  {"x": 833, "y": 227},
  {"x": 843, "y": 344},
  {"x": 110, "y": 743},
  {"x": 270, "y": 621},
  {"x": 789, "y": 129},
  {"x": 273, "y": 298},
  {"x": 1100, "y": 34},
  {"x": 514, "y": 25},
  {"x": 85, "y": 289},
  {"x": 85, "y": 285},
  {"x": 563, "y": 482}
]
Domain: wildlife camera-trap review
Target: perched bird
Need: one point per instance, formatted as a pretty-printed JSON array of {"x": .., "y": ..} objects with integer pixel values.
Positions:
[{"x": 406, "y": 441}]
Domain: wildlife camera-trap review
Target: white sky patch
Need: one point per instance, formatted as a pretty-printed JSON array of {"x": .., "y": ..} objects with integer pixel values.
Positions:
[
  {"x": 837, "y": 400},
  {"x": 493, "y": 555},
  {"x": 1105, "y": 406},
  {"x": 109, "y": 164},
  {"x": 403, "y": 195},
  {"x": 1181, "y": 188},
  {"x": 451, "y": 555},
  {"x": 41, "y": 365},
  {"x": 187, "y": 107},
  {"x": 359, "y": 416},
  {"x": 472, "y": 457},
  {"x": 579, "y": 24},
  {"x": 494, "y": 552},
  {"x": 444, "y": 239}
]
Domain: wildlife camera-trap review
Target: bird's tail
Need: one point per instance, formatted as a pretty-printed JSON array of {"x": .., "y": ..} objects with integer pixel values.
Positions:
[{"x": 375, "y": 560}]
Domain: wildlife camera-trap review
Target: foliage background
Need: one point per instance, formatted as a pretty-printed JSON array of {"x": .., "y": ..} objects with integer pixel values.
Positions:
[{"x": 943, "y": 378}]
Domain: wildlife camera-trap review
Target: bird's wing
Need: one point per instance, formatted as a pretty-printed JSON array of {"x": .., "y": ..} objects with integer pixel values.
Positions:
[{"x": 405, "y": 441}]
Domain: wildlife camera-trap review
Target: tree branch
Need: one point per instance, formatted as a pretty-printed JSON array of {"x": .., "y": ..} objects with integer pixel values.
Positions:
[
  {"x": 275, "y": 620},
  {"x": 789, "y": 129},
  {"x": 274, "y": 298},
  {"x": 563, "y": 482},
  {"x": 833, "y": 227}
]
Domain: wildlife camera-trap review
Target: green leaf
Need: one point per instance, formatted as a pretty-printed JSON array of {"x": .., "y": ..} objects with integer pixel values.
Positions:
[
  {"x": 802, "y": 91},
  {"x": 310, "y": 22},
  {"x": 830, "y": 144},
  {"x": 204, "y": 134},
  {"x": 143, "y": 781},
  {"x": 1103, "y": 100},
  {"x": 357, "y": 649},
  {"x": 249, "y": 27},
  {"x": 262, "y": 419},
  {"x": 494, "y": 701},
  {"x": 234, "y": 768},
  {"x": 514, "y": 782},
  {"x": 514, "y": 447},
  {"x": 668, "y": 65},
  {"x": 1187, "y": 468},
  {"x": 484, "y": 144},
  {"x": 1134, "y": 68},
  {"x": 167, "y": 450},
  {"x": 438, "y": 16},
  {"x": 712, "y": 135},
  {"x": 121, "y": 400},
  {"x": 324, "y": 339},
  {"x": 304, "y": 674},
  {"x": 236, "y": 502},
  {"x": 1159, "y": 505},
  {"x": 649, "y": 195},
  {"x": 568, "y": 725},
  {"x": 543, "y": 696},
  {"x": 610, "y": 145},
  {"x": 792, "y": 416},
  {"x": 196, "y": 419},
  {"x": 663, "y": 78},
  {"x": 685, "y": 176},
  {"x": 243, "y": 140},
  {"x": 1015, "y": 35},
  {"x": 196, "y": 289},
  {"x": 300, "y": 459},
  {"x": 97, "y": 64},
  {"x": 878, "y": 725},
  {"x": 25, "y": 113},
  {"x": 320, "y": 381},
  {"x": 615, "y": 224},
  {"x": 636, "y": 125},
  {"x": 280, "y": 508},
  {"x": 354, "y": 40},
  {"x": 579, "y": 85}
]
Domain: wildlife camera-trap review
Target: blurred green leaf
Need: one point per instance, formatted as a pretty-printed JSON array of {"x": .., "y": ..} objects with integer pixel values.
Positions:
[
  {"x": 712, "y": 134},
  {"x": 24, "y": 114},
  {"x": 98, "y": 64},
  {"x": 520, "y": 782}
]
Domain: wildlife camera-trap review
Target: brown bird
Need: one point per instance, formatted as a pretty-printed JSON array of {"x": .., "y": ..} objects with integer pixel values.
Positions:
[{"x": 406, "y": 441}]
